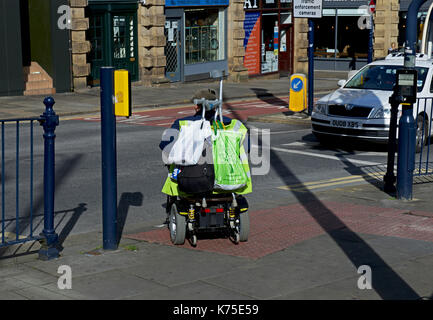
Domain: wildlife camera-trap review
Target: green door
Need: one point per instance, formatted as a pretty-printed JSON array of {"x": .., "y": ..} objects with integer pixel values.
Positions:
[
  {"x": 113, "y": 38},
  {"x": 124, "y": 37}
]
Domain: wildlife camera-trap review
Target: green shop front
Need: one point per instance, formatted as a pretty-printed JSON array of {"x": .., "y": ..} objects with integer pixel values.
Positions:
[
  {"x": 113, "y": 36},
  {"x": 196, "y": 35}
]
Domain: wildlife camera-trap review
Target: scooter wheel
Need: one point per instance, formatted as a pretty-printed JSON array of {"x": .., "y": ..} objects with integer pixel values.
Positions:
[
  {"x": 244, "y": 226},
  {"x": 177, "y": 226},
  {"x": 236, "y": 237},
  {"x": 194, "y": 240}
]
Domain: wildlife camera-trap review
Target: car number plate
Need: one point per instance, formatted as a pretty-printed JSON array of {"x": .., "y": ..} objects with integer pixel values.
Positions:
[{"x": 345, "y": 124}]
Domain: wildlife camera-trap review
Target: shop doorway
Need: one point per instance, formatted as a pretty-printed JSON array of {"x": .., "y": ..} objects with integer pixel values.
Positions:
[
  {"x": 285, "y": 55},
  {"x": 113, "y": 38},
  {"x": 270, "y": 43},
  {"x": 173, "y": 49}
]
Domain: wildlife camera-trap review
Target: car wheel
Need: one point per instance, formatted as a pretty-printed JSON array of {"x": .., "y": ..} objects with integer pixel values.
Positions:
[{"x": 421, "y": 132}]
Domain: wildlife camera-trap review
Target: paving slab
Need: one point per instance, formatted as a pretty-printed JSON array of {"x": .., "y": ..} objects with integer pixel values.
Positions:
[
  {"x": 110, "y": 285},
  {"x": 197, "y": 290}
]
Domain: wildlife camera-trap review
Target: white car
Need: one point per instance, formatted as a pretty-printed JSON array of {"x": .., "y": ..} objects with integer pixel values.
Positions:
[{"x": 360, "y": 107}]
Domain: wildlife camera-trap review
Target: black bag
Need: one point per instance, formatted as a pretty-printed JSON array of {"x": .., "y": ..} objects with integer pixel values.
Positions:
[{"x": 196, "y": 179}]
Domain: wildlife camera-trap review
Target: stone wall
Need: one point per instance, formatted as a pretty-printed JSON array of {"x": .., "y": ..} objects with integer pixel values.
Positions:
[
  {"x": 80, "y": 46},
  {"x": 151, "y": 43},
  {"x": 236, "y": 36},
  {"x": 386, "y": 26},
  {"x": 300, "y": 50}
]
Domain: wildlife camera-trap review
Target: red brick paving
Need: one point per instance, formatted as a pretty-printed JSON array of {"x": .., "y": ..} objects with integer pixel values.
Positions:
[
  {"x": 275, "y": 229},
  {"x": 165, "y": 117}
]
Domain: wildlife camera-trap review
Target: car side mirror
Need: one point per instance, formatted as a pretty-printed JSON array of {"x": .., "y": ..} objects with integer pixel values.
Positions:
[{"x": 341, "y": 83}]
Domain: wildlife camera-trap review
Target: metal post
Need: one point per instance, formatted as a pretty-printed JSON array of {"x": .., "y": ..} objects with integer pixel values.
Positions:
[
  {"x": 49, "y": 249},
  {"x": 109, "y": 165},
  {"x": 407, "y": 125},
  {"x": 370, "y": 39},
  {"x": 389, "y": 177},
  {"x": 310, "y": 66},
  {"x": 406, "y": 153}
]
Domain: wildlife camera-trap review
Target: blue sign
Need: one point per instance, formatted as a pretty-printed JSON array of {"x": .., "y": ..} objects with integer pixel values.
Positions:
[
  {"x": 297, "y": 84},
  {"x": 185, "y": 3}
]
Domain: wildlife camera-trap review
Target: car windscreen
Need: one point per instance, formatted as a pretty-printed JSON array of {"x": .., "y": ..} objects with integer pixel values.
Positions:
[{"x": 382, "y": 77}]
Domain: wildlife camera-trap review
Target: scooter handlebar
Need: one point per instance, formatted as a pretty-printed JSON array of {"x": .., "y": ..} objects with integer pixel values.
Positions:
[{"x": 208, "y": 104}]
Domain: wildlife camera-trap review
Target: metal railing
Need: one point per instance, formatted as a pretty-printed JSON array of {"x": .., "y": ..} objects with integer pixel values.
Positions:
[
  {"x": 423, "y": 161},
  {"x": 24, "y": 230},
  {"x": 7, "y": 238}
]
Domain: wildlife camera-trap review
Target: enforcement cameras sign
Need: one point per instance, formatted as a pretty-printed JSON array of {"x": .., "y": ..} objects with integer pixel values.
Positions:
[{"x": 307, "y": 8}]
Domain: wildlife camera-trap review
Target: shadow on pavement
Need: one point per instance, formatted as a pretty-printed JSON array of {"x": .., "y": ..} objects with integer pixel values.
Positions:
[
  {"x": 66, "y": 230},
  {"x": 76, "y": 214},
  {"x": 127, "y": 199},
  {"x": 386, "y": 282},
  {"x": 63, "y": 171},
  {"x": 265, "y": 95}
]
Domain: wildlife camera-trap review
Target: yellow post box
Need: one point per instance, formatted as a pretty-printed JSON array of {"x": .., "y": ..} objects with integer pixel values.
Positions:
[
  {"x": 298, "y": 92},
  {"x": 122, "y": 93}
]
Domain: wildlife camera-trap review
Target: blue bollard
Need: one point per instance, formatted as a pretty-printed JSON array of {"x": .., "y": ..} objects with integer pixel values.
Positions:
[
  {"x": 370, "y": 40},
  {"x": 310, "y": 66},
  {"x": 407, "y": 124},
  {"x": 109, "y": 164},
  {"x": 406, "y": 154},
  {"x": 49, "y": 245}
]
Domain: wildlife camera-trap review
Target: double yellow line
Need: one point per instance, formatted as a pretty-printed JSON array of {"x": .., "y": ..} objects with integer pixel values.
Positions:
[{"x": 333, "y": 182}]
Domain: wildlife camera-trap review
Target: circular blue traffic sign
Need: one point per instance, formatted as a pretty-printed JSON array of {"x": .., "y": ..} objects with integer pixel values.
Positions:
[{"x": 297, "y": 84}]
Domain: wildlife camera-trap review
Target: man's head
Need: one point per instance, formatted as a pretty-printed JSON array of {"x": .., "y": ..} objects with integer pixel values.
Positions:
[{"x": 208, "y": 94}]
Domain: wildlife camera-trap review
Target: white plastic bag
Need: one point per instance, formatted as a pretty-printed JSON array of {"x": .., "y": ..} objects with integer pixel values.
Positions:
[{"x": 188, "y": 147}]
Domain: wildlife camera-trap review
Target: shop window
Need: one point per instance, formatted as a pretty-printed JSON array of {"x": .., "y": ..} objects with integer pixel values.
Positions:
[
  {"x": 204, "y": 34},
  {"x": 286, "y": 3},
  {"x": 324, "y": 38},
  {"x": 351, "y": 40},
  {"x": 270, "y": 3},
  {"x": 269, "y": 54},
  {"x": 95, "y": 35},
  {"x": 119, "y": 35}
]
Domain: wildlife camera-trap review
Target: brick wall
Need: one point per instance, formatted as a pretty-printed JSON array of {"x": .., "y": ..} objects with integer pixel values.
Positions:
[
  {"x": 300, "y": 63},
  {"x": 80, "y": 46},
  {"x": 236, "y": 36},
  {"x": 151, "y": 43},
  {"x": 386, "y": 26}
]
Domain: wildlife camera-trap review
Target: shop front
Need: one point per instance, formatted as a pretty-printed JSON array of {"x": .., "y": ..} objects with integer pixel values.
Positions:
[
  {"x": 341, "y": 36},
  {"x": 268, "y": 37},
  {"x": 113, "y": 37},
  {"x": 196, "y": 35}
]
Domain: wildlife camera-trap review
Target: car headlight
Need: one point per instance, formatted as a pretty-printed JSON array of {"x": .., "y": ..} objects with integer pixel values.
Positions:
[
  {"x": 381, "y": 114},
  {"x": 320, "y": 108}
]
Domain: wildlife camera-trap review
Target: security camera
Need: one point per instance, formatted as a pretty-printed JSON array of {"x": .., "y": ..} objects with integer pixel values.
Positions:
[{"x": 143, "y": 2}]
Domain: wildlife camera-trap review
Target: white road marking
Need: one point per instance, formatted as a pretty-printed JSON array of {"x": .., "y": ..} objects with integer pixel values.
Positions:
[
  {"x": 301, "y": 143},
  {"x": 277, "y": 132},
  {"x": 324, "y": 156}
]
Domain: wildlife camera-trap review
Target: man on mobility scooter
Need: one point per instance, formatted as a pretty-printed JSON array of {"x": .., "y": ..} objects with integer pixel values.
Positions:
[{"x": 206, "y": 193}]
